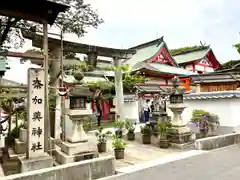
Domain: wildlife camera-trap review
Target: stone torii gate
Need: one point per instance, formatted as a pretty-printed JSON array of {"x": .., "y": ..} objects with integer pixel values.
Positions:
[{"x": 92, "y": 52}]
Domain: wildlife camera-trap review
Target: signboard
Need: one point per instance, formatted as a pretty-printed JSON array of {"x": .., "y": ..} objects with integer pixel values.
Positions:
[{"x": 35, "y": 112}]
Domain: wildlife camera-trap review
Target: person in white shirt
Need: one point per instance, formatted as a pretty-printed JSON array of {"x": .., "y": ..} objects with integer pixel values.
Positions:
[{"x": 146, "y": 110}]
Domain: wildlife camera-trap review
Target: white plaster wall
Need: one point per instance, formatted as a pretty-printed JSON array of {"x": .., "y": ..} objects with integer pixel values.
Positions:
[
  {"x": 199, "y": 68},
  {"x": 235, "y": 104},
  {"x": 131, "y": 110},
  {"x": 209, "y": 69},
  {"x": 189, "y": 67},
  {"x": 226, "y": 109}
]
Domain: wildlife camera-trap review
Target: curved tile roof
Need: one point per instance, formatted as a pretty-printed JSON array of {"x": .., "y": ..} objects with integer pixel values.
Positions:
[
  {"x": 212, "y": 95},
  {"x": 190, "y": 56}
]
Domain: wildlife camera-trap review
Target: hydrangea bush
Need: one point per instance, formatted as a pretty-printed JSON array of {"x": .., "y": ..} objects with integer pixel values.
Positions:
[{"x": 205, "y": 120}]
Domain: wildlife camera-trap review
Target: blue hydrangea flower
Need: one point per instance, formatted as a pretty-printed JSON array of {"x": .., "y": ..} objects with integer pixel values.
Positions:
[{"x": 206, "y": 117}]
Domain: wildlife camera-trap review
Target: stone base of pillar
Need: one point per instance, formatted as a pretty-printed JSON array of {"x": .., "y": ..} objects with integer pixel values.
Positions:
[
  {"x": 63, "y": 158},
  {"x": 36, "y": 163},
  {"x": 74, "y": 152},
  {"x": 75, "y": 148},
  {"x": 179, "y": 134}
]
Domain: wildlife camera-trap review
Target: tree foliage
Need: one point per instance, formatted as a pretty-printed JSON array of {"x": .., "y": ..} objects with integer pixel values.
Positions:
[
  {"x": 106, "y": 89},
  {"x": 237, "y": 46},
  {"x": 131, "y": 80},
  {"x": 85, "y": 67},
  {"x": 81, "y": 66},
  {"x": 186, "y": 49},
  {"x": 74, "y": 20},
  {"x": 10, "y": 31},
  {"x": 229, "y": 64},
  {"x": 9, "y": 103}
]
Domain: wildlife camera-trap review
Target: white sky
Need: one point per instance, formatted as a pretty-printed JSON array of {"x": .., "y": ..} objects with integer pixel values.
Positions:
[{"x": 182, "y": 23}]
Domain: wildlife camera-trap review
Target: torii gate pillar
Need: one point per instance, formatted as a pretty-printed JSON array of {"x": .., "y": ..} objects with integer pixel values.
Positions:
[{"x": 119, "y": 90}]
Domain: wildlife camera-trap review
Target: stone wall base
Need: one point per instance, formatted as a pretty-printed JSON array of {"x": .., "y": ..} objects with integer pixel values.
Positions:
[
  {"x": 37, "y": 163},
  {"x": 179, "y": 135},
  {"x": 63, "y": 158},
  {"x": 215, "y": 142}
]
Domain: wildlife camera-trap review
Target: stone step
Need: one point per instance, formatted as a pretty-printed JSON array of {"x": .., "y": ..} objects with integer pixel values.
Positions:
[
  {"x": 11, "y": 162},
  {"x": 13, "y": 156},
  {"x": 10, "y": 167}
]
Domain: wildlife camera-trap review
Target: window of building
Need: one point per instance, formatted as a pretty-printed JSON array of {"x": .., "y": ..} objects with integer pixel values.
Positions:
[{"x": 77, "y": 102}]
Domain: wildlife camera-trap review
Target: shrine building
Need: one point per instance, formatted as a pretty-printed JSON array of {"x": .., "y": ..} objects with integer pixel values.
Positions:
[
  {"x": 200, "y": 59},
  {"x": 153, "y": 60}
]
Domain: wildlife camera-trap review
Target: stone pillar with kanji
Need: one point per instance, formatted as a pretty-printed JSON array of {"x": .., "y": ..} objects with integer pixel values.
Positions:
[{"x": 35, "y": 158}]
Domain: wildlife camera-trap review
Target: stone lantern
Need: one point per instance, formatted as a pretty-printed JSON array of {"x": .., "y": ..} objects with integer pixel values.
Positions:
[
  {"x": 179, "y": 133},
  {"x": 77, "y": 112},
  {"x": 159, "y": 114},
  {"x": 77, "y": 147},
  {"x": 176, "y": 99}
]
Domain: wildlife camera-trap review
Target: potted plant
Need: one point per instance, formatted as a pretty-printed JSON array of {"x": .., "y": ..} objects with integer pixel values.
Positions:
[
  {"x": 102, "y": 139},
  {"x": 130, "y": 126},
  {"x": 163, "y": 127},
  {"x": 146, "y": 132},
  {"x": 118, "y": 125},
  {"x": 119, "y": 146},
  {"x": 205, "y": 121}
]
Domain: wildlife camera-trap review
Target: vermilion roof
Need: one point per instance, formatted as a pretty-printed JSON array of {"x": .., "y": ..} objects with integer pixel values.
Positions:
[
  {"x": 194, "y": 55},
  {"x": 190, "y": 56},
  {"x": 146, "y": 51},
  {"x": 162, "y": 68}
]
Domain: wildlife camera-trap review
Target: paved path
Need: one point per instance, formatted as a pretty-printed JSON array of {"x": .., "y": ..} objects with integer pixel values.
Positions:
[
  {"x": 136, "y": 152},
  {"x": 221, "y": 164}
]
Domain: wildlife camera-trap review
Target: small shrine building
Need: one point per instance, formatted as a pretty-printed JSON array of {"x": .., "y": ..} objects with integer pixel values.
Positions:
[
  {"x": 153, "y": 60},
  {"x": 199, "y": 59}
]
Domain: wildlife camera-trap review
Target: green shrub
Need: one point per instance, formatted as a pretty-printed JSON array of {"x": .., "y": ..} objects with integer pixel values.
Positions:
[
  {"x": 118, "y": 143},
  {"x": 146, "y": 130}
]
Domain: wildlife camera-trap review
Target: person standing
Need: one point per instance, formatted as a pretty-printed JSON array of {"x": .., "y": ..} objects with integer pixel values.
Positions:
[
  {"x": 152, "y": 106},
  {"x": 146, "y": 110},
  {"x": 99, "y": 112}
]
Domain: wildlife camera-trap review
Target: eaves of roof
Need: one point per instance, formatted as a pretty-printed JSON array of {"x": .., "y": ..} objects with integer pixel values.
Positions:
[{"x": 212, "y": 95}]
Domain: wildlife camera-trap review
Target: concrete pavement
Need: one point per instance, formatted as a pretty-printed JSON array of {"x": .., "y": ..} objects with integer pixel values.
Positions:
[
  {"x": 220, "y": 164},
  {"x": 138, "y": 153}
]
